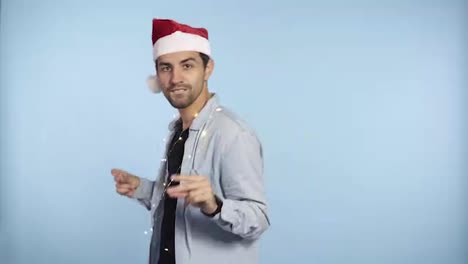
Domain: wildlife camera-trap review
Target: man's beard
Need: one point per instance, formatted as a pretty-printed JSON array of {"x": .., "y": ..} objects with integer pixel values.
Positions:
[{"x": 188, "y": 99}]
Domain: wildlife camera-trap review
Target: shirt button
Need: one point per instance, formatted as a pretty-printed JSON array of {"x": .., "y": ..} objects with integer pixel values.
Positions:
[{"x": 166, "y": 249}]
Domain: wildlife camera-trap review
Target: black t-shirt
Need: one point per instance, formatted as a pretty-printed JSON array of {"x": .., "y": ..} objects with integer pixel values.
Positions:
[{"x": 175, "y": 155}]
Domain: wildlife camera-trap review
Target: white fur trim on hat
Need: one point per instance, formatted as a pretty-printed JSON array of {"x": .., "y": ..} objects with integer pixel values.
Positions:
[
  {"x": 181, "y": 41},
  {"x": 153, "y": 84}
]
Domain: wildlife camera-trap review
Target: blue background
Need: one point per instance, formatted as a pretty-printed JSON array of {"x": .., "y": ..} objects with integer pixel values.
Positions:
[{"x": 361, "y": 107}]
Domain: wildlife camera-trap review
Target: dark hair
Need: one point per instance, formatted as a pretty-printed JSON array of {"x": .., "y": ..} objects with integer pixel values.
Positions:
[{"x": 205, "y": 58}]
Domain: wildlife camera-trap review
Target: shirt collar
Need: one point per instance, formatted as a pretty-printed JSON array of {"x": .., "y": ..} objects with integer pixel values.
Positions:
[{"x": 211, "y": 105}]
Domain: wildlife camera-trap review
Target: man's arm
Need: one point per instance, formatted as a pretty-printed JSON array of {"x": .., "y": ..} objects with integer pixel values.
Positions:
[
  {"x": 144, "y": 192},
  {"x": 244, "y": 209},
  {"x": 133, "y": 187}
]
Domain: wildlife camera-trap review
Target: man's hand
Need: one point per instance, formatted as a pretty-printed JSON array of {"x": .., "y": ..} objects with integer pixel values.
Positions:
[
  {"x": 196, "y": 190},
  {"x": 125, "y": 183}
]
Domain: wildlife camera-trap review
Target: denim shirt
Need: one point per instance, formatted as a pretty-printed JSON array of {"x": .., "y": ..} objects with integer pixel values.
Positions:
[{"x": 225, "y": 149}]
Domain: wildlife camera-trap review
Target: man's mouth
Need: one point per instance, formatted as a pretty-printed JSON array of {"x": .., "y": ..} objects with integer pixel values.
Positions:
[{"x": 179, "y": 90}]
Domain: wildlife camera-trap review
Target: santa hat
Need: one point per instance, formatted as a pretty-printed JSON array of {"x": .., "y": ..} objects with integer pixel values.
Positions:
[{"x": 170, "y": 36}]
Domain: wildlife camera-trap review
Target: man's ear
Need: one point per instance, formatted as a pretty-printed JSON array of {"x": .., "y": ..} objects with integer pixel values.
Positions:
[{"x": 209, "y": 69}]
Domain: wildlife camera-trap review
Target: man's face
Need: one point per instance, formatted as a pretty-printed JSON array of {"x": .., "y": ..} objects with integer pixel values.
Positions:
[{"x": 182, "y": 76}]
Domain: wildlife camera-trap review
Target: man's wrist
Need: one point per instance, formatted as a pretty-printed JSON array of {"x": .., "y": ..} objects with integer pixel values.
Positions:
[
  {"x": 219, "y": 205},
  {"x": 136, "y": 182}
]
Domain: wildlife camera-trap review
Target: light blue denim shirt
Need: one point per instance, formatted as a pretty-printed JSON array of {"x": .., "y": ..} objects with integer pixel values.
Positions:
[{"x": 223, "y": 148}]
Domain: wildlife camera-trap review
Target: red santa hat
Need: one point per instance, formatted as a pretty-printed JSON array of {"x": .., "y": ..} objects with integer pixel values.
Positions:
[{"x": 170, "y": 36}]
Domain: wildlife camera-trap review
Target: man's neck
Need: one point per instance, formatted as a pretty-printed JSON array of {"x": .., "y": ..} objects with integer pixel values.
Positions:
[{"x": 189, "y": 113}]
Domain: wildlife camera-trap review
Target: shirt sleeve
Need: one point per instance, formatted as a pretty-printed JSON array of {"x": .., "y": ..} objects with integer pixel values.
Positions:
[
  {"x": 144, "y": 192},
  {"x": 244, "y": 209}
]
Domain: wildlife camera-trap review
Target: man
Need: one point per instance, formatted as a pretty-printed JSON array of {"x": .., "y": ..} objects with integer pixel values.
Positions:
[{"x": 208, "y": 203}]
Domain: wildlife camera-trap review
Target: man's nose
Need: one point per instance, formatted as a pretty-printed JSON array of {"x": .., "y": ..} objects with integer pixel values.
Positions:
[{"x": 177, "y": 77}]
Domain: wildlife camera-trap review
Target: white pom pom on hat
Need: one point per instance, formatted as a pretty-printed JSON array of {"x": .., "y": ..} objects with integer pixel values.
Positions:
[
  {"x": 170, "y": 36},
  {"x": 153, "y": 84}
]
